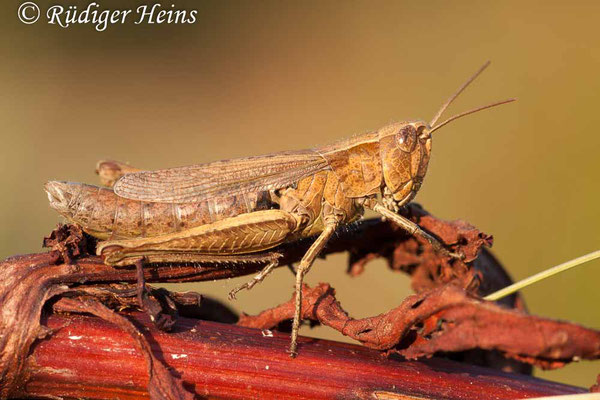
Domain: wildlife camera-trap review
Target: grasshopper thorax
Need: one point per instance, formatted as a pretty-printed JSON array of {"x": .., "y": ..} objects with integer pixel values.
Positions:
[{"x": 405, "y": 149}]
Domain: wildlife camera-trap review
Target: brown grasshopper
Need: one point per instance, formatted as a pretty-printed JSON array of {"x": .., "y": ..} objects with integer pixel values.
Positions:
[{"x": 240, "y": 210}]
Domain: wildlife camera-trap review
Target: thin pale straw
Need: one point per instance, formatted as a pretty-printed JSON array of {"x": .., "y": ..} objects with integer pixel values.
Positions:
[
  {"x": 542, "y": 275},
  {"x": 580, "y": 396}
]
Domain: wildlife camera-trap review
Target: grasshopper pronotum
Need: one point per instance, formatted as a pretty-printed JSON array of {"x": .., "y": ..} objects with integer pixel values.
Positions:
[{"x": 242, "y": 209}]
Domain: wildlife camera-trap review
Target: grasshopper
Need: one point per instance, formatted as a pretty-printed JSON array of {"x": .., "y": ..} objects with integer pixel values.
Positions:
[{"x": 240, "y": 210}]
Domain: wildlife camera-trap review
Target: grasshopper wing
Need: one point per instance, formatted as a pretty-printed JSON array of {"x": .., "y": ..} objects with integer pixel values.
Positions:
[{"x": 221, "y": 178}]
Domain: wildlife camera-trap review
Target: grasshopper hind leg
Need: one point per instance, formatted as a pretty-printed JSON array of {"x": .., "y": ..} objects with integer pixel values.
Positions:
[{"x": 161, "y": 313}]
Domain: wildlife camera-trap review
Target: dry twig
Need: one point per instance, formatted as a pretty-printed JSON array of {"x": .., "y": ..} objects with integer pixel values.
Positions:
[{"x": 445, "y": 315}]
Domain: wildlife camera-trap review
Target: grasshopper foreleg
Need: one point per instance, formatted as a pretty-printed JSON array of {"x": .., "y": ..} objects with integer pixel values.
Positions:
[
  {"x": 303, "y": 268},
  {"x": 257, "y": 278},
  {"x": 415, "y": 229}
]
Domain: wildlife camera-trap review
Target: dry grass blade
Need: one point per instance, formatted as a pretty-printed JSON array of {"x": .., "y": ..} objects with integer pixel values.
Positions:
[{"x": 543, "y": 275}]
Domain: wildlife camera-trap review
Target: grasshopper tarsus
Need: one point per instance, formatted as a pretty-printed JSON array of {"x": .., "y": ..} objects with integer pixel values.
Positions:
[
  {"x": 441, "y": 249},
  {"x": 249, "y": 206},
  {"x": 256, "y": 279}
]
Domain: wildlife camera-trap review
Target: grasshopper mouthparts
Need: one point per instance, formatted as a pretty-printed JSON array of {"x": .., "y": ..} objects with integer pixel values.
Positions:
[{"x": 60, "y": 195}]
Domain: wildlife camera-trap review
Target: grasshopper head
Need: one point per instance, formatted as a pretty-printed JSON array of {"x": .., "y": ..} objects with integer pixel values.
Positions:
[
  {"x": 61, "y": 195},
  {"x": 405, "y": 150}
]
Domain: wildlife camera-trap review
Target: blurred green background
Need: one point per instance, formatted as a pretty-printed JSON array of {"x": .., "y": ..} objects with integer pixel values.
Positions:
[{"x": 256, "y": 77}]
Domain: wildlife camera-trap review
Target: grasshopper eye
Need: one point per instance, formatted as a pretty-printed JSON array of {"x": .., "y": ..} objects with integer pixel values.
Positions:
[{"x": 407, "y": 138}]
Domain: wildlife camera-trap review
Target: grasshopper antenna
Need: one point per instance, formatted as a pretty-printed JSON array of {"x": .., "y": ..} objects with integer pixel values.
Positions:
[
  {"x": 457, "y": 93},
  {"x": 462, "y": 114}
]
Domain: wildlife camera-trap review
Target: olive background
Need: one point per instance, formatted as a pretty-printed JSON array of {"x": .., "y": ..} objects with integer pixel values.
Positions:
[{"x": 257, "y": 77}]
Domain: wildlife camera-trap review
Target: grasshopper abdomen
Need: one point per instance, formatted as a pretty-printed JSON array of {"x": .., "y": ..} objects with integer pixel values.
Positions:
[{"x": 103, "y": 214}]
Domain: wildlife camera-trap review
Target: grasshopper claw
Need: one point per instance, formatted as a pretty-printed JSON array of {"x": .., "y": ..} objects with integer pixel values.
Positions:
[
  {"x": 441, "y": 249},
  {"x": 292, "y": 353},
  {"x": 459, "y": 256},
  {"x": 233, "y": 292},
  {"x": 450, "y": 254}
]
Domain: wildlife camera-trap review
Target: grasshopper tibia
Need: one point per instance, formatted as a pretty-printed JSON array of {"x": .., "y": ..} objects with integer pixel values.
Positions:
[{"x": 303, "y": 268}]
